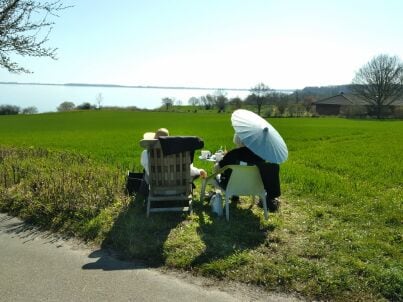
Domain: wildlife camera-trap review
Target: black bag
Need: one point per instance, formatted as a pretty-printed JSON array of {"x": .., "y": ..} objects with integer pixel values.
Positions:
[{"x": 134, "y": 181}]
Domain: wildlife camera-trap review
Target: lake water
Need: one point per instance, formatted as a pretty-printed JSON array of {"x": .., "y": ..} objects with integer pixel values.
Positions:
[{"x": 48, "y": 97}]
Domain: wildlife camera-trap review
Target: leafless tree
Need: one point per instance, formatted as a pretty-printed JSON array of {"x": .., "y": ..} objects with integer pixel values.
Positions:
[
  {"x": 220, "y": 99},
  {"x": 25, "y": 26},
  {"x": 193, "y": 101},
  {"x": 66, "y": 106},
  {"x": 30, "y": 110},
  {"x": 99, "y": 98},
  {"x": 168, "y": 102},
  {"x": 380, "y": 82},
  {"x": 308, "y": 102},
  {"x": 260, "y": 91},
  {"x": 236, "y": 102},
  {"x": 207, "y": 101}
]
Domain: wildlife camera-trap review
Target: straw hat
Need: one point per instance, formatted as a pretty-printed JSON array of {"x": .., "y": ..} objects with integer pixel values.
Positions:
[
  {"x": 151, "y": 137},
  {"x": 157, "y": 134}
]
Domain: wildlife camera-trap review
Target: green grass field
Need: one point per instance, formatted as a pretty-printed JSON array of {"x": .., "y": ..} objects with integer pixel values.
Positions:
[{"x": 337, "y": 236}]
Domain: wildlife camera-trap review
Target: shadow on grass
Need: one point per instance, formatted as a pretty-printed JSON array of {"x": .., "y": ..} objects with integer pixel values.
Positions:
[
  {"x": 222, "y": 239},
  {"x": 175, "y": 239},
  {"x": 136, "y": 237}
]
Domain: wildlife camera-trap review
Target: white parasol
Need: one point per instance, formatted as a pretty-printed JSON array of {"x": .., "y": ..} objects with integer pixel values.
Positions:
[{"x": 259, "y": 136}]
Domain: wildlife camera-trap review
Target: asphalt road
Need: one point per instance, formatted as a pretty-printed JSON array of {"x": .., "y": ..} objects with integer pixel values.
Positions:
[{"x": 38, "y": 266}]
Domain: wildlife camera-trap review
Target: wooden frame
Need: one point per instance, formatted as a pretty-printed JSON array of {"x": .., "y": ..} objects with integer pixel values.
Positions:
[{"x": 169, "y": 180}]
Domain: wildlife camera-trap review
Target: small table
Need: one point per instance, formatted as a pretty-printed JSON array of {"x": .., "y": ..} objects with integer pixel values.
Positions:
[{"x": 210, "y": 159}]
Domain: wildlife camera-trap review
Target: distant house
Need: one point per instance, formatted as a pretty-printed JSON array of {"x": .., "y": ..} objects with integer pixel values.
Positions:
[
  {"x": 334, "y": 105},
  {"x": 345, "y": 104}
]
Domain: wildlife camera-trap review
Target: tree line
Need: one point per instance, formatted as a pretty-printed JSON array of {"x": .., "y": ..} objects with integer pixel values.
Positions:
[
  {"x": 266, "y": 101},
  {"x": 12, "y": 109}
]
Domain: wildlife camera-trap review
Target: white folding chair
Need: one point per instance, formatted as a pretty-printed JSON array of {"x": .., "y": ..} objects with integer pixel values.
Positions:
[{"x": 244, "y": 181}]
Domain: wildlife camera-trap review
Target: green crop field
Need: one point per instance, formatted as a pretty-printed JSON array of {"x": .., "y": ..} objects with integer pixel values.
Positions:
[{"x": 337, "y": 236}]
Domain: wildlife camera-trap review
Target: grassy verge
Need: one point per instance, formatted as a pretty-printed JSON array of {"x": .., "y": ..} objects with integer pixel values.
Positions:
[
  {"x": 62, "y": 191},
  {"x": 318, "y": 251}
]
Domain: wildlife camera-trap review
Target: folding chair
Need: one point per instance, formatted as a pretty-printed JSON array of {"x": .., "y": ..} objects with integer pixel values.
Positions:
[
  {"x": 169, "y": 180},
  {"x": 244, "y": 181}
]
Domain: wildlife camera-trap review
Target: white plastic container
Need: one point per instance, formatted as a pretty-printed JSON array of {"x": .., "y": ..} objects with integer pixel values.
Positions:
[{"x": 216, "y": 204}]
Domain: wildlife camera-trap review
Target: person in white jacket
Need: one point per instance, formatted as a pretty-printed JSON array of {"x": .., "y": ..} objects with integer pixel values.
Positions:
[{"x": 194, "y": 172}]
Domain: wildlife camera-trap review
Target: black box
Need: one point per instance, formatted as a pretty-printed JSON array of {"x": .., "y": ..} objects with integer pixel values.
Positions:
[{"x": 133, "y": 182}]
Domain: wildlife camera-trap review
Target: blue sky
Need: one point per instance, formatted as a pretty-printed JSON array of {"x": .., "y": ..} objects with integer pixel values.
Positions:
[{"x": 237, "y": 44}]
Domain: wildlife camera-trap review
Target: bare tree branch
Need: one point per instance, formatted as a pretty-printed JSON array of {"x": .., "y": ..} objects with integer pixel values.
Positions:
[
  {"x": 260, "y": 91},
  {"x": 380, "y": 82},
  {"x": 24, "y": 30}
]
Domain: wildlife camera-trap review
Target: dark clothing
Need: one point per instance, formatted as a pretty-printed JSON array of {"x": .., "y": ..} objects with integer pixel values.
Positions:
[
  {"x": 176, "y": 144},
  {"x": 235, "y": 156},
  {"x": 269, "y": 172}
]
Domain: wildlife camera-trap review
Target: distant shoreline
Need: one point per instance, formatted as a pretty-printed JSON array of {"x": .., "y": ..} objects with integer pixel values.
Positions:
[{"x": 136, "y": 86}]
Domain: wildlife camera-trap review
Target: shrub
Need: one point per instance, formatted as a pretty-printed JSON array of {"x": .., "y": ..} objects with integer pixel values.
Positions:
[
  {"x": 296, "y": 109},
  {"x": 29, "y": 110},
  {"x": 9, "y": 109},
  {"x": 66, "y": 106},
  {"x": 85, "y": 106},
  {"x": 353, "y": 111}
]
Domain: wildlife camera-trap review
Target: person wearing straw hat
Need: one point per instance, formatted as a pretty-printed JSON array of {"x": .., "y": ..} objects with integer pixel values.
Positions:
[{"x": 194, "y": 172}]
